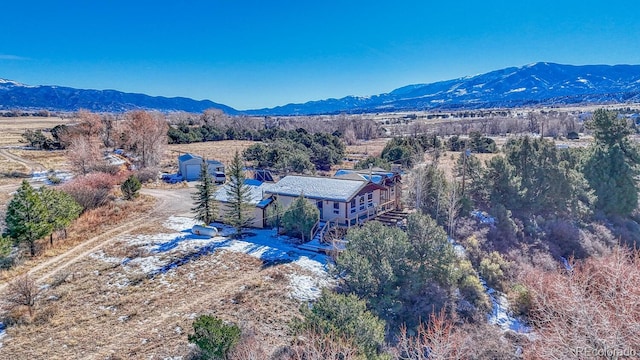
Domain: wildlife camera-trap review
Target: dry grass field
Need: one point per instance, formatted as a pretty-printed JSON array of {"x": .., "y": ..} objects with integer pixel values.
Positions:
[
  {"x": 12, "y": 128},
  {"x": 87, "y": 314},
  {"x": 362, "y": 150},
  {"x": 95, "y": 305}
]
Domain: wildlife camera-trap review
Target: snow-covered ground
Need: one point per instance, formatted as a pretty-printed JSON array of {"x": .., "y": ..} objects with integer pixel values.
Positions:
[
  {"x": 43, "y": 176},
  {"x": 176, "y": 245},
  {"x": 500, "y": 312}
]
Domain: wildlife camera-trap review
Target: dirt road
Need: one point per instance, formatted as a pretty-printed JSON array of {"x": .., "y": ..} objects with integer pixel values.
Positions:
[
  {"x": 168, "y": 202},
  {"x": 30, "y": 165}
]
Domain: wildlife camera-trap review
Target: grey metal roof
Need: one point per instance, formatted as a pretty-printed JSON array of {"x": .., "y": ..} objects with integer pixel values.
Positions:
[
  {"x": 255, "y": 193},
  {"x": 188, "y": 156},
  {"x": 324, "y": 188}
]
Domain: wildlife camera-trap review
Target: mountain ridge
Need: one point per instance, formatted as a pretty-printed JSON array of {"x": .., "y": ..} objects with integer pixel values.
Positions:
[
  {"x": 541, "y": 83},
  {"x": 61, "y": 98}
]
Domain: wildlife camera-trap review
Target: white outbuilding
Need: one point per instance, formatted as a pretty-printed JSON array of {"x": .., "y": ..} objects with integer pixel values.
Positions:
[{"x": 189, "y": 166}]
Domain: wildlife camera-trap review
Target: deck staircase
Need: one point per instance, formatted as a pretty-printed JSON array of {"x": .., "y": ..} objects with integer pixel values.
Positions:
[
  {"x": 392, "y": 218},
  {"x": 319, "y": 235}
]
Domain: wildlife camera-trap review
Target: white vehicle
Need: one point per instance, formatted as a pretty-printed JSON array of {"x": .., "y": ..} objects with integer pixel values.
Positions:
[{"x": 219, "y": 177}]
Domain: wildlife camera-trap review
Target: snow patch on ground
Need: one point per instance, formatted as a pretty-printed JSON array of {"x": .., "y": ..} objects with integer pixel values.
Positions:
[
  {"x": 500, "y": 313},
  {"x": 180, "y": 223},
  {"x": 43, "y": 176},
  {"x": 176, "y": 247},
  {"x": 100, "y": 255}
]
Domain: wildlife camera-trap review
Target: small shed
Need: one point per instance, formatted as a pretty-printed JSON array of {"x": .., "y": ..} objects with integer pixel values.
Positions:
[{"x": 189, "y": 166}]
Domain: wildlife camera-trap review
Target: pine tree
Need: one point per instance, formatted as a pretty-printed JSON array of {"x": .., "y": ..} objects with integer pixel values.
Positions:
[
  {"x": 612, "y": 164},
  {"x": 300, "y": 218},
  {"x": 130, "y": 187},
  {"x": 275, "y": 213},
  {"x": 62, "y": 208},
  {"x": 205, "y": 204},
  {"x": 27, "y": 217},
  {"x": 238, "y": 196}
]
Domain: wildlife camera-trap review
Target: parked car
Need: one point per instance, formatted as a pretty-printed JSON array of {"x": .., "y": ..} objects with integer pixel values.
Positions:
[
  {"x": 171, "y": 178},
  {"x": 219, "y": 177}
]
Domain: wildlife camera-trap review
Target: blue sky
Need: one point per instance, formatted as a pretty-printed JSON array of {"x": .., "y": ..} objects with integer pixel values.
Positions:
[{"x": 252, "y": 54}]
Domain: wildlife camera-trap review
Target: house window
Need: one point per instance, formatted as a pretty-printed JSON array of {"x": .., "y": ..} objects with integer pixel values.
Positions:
[
  {"x": 336, "y": 207},
  {"x": 361, "y": 203},
  {"x": 353, "y": 206}
]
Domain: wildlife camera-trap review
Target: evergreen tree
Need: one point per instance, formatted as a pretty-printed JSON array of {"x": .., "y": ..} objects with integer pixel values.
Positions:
[
  {"x": 431, "y": 250},
  {"x": 300, "y": 218},
  {"x": 501, "y": 182},
  {"x": 238, "y": 196},
  {"x": 275, "y": 213},
  {"x": 62, "y": 208},
  {"x": 205, "y": 204},
  {"x": 6, "y": 244},
  {"x": 345, "y": 316},
  {"x": 27, "y": 217},
  {"x": 470, "y": 171},
  {"x": 130, "y": 187},
  {"x": 612, "y": 178},
  {"x": 213, "y": 337},
  {"x": 611, "y": 164}
]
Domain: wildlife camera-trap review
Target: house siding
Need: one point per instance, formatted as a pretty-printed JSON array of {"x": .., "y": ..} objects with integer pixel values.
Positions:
[{"x": 257, "y": 214}]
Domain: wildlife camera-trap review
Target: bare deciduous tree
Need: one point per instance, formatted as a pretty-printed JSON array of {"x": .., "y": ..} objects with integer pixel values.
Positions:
[
  {"x": 317, "y": 346},
  {"x": 22, "y": 292},
  {"x": 146, "y": 136},
  {"x": 593, "y": 306},
  {"x": 437, "y": 340},
  {"x": 84, "y": 153}
]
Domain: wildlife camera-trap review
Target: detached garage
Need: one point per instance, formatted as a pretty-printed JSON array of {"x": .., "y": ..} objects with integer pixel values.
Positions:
[{"x": 189, "y": 166}]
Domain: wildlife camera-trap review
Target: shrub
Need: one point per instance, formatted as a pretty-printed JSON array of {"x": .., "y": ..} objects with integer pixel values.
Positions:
[
  {"x": 91, "y": 190},
  {"x": 572, "y": 135},
  {"x": 147, "y": 175},
  {"x": 345, "y": 316},
  {"x": 130, "y": 188},
  {"x": 214, "y": 338},
  {"x": 492, "y": 269}
]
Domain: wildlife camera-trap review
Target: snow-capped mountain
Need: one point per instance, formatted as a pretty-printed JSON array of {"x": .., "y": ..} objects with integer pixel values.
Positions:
[
  {"x": 540, "y": 83},
  {"x": 534, "y": 84},
  {"x": 14, "y": 95}
]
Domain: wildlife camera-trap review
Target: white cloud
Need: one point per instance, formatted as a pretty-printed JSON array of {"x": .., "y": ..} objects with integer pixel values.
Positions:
[{"x": 12, "y": 57}]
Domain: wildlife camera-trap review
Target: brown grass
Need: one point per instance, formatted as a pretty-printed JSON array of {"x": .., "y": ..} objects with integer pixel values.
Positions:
[
  {"x": 362, "y": 150},
  {"x": 91, "y": 223},
  {"x": 12, "y": 128},
  {"x": 448, "y": 160},
  {"x": 56, "y": 160},
  {"x": 89, "y": 316}
]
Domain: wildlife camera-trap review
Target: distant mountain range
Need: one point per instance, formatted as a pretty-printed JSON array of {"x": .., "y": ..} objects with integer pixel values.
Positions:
[
  {"x": 535, "y": 84},
  {"x": 14, "y": 95}
]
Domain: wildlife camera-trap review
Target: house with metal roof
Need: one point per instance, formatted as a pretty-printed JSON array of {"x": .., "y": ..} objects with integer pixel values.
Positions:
[
  {"x": 189, "y": 166},
  {"x": 257, "y": 199},
  {"x": 341, "y": 201}
]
